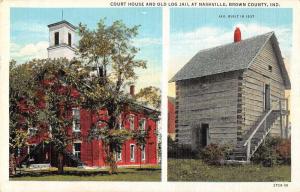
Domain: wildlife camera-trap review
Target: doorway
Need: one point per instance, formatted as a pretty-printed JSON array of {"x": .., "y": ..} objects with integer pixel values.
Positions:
[
  {"x": 267, "y": 97},
  {"x": 204, "y": 134}
]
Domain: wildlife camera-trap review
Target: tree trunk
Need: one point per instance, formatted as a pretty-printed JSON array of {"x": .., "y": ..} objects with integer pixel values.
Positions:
[
  {"x": 12, "y": 164},
  {"x": 112, "y": 163},
  {"x": 140, "y": 158},
  {"x": 60, "y": 163}
]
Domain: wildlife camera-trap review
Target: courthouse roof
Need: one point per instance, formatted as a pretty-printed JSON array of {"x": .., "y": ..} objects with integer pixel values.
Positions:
[{"x": 62, "y": 22}]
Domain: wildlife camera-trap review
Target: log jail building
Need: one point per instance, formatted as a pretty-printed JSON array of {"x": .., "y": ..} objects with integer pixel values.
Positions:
[
  {"x": 83, "y": 152},
  {"x": 233, "y": 94}
]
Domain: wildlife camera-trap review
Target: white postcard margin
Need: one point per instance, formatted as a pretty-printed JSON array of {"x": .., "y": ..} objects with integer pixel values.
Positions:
[{"x": 83, "y": 186}]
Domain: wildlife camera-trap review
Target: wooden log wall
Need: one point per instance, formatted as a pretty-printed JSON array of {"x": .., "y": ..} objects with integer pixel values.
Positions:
[
  {"x": 230, "y": 103},
  {"x": 211, "y": 100},
  {"x": 253, "y": 82}
]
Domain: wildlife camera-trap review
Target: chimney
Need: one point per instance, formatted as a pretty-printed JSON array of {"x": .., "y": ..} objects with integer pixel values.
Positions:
[
  {"x": 237, "y": 35},
  {"x": 132, "y": 90}
]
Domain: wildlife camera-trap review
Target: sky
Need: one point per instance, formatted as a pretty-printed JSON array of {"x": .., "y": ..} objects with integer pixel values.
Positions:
[
  {"x": 195, "y": 29},
  {"x": 30, "y": 36}
]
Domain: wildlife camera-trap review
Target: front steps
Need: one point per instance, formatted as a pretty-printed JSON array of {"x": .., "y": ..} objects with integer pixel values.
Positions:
[
  {"x": 40, "y": 166},
  {"x": 38, "y": 150},
  {"x": 246, "y": 148}
]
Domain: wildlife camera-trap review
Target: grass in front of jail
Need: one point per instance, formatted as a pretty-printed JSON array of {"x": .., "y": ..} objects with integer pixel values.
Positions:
[
  {"x": 197, "y": 170},
  {"x": 145, "y": 173}
]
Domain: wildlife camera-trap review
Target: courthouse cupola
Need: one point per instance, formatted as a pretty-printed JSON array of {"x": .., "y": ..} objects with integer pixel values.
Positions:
[{"x": 62, "y": 40}]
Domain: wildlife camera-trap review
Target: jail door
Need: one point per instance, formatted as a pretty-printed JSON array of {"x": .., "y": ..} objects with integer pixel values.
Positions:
[
  {"x": 204, "y": 134},
  {"x": 267, "y": 97}
]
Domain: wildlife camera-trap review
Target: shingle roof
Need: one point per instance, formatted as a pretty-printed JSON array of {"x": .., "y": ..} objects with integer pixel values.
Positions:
[{"x": 229, "y": 57}]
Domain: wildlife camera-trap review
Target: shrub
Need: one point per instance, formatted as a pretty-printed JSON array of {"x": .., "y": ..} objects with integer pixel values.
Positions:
[
  {"x": 284, "y": 151},
  {"x": 265, "y": 155},
  {"x": 274, "y": 151},
  {"x": 172, "y": 147},
  {"x": 214, "y": 154},
  {"x": 227, "y": 149},
  {"x": 176, "y": 150}
]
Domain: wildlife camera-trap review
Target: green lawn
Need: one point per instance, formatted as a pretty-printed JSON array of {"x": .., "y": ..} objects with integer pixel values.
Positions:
[
  {"x": 196, "y": 170},
  {"x": 146, "y": 173}
]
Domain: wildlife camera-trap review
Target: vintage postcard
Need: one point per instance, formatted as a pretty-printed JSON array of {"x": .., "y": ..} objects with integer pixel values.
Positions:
[{"x": 146, "y": 95}]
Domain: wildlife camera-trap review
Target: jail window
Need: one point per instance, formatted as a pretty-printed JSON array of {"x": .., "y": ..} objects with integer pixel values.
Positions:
[{"x": 270, "y": 68}]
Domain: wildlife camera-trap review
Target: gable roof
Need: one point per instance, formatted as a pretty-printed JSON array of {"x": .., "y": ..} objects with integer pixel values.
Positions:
[{"x": 230, "y": 57}]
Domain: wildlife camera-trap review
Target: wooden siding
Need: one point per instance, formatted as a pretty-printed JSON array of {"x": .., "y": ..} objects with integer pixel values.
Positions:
[
  {"x": 211, "y": 100},
  {"x": 252, "y": 89},
  {"x": 230, "y": 103}
]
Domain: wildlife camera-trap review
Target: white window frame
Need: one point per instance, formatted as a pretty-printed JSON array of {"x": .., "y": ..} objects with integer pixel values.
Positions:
[
  {"x": 75, "y": 153},
  {"x": 143, "y": 153},
  {"x": 143, "y": 127},
  {"x": 131, "y": 121},
  {"x": 119, "y": 156},
  {"x": 120, "y": 122},
  {"x": 30, "y": 130},
  {"x": 132, "y": 153},
  {"x": 74, "y": 120}
]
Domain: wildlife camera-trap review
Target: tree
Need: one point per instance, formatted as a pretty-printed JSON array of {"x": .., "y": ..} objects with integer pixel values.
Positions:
[
  {"x": 141, "y": 137},
  {"x": 150, "y": 95},
  {"x": 42, "y": 95},
  {"x": 109, "y": 51},
  {"x": 20, "y": 109}
]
